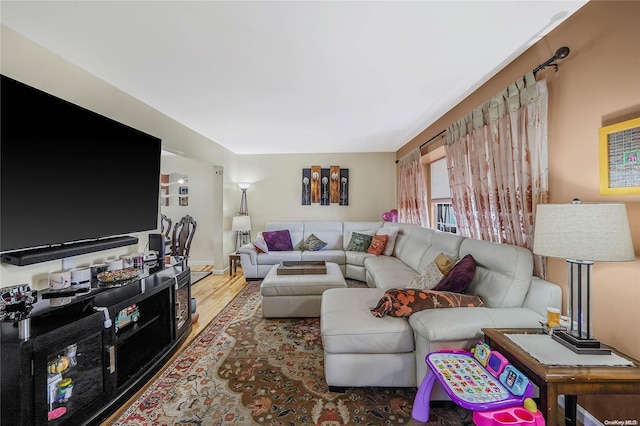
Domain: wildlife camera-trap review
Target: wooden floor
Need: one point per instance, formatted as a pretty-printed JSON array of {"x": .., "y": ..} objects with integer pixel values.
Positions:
[{"x": 212, "y": 293}]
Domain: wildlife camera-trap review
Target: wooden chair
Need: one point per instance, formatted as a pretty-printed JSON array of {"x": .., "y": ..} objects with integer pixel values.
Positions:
[
  {"x": 165, "y": 224},
  {"x": 181, "y": 238}
]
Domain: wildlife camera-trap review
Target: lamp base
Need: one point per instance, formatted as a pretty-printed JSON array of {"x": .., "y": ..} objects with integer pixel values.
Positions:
[{"x": 580, "y": 345}]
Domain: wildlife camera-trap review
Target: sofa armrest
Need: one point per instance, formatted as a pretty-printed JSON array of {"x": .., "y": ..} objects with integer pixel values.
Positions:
[
  {"x": 543, "y": 294},
  {"x": 250, "y": 251}
]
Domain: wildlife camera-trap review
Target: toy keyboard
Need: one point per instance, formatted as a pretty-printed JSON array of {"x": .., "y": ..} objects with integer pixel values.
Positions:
[{"x": 465, "y": 378}]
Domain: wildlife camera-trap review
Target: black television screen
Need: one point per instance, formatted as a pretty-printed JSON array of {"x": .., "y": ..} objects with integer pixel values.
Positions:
[{"x": 68, "y": 174}]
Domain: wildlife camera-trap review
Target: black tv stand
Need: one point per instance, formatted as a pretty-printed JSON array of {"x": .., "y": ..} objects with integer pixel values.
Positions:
[
  {"x": 29, "y": 257},
  {"x": 113, "y": 358}
]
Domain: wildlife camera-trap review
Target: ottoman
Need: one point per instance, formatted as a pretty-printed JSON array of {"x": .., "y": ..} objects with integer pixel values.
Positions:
[
  {"x": 285, "y": 296},
  {"x": 361, "y": 350}
]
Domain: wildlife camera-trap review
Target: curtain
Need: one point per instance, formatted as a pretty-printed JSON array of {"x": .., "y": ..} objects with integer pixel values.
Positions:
[
  {"x": 412, "y": 190},
  {"x": 497, "y": 159}
]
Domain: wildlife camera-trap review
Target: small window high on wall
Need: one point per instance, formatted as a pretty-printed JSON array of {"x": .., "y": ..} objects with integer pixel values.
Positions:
[{"x": 441, "y": 208}]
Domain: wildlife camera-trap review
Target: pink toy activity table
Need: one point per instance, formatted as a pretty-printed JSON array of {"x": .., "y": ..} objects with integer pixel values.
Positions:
[{"x": 482, "y": 380}]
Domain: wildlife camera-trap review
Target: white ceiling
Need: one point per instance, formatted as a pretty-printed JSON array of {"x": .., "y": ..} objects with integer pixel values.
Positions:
[{"x": 293, "y": 76}]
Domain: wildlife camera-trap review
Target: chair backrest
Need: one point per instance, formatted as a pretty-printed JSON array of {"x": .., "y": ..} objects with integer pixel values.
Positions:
[
  {"x": 182, "y": 236},
  {"x": 165, "y": 225}
]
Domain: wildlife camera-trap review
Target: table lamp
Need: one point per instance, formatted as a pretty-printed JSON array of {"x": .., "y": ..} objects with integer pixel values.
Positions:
[
  {"x": 582, "y": 233},
  {"x": 242, "y": 226}
]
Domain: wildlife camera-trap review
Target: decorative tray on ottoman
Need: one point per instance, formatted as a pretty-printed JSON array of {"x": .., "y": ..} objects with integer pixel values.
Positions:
[{"x": 301, "y": 267}]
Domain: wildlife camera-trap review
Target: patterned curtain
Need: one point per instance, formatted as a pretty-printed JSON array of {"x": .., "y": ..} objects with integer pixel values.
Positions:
[
  {"x": 497, "y": 158},
  {"x": 412, "y": 190}
]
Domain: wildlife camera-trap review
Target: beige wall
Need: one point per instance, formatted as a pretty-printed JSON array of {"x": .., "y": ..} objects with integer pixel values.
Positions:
[
  {"x": 596, "y": 85},
  {"x": 275, "y": 193}
]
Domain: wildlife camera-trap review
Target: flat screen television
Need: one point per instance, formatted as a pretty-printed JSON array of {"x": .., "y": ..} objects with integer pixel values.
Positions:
[{"x": 70, "y": 175}]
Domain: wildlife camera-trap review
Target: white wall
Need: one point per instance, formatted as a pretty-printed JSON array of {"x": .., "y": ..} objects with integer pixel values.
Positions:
[
  {"x": 276, "y": 181},
  {"x": 30, "y": 63},
  {"x": 274, "y": 195},
  {"x": 200, "y": 182}
]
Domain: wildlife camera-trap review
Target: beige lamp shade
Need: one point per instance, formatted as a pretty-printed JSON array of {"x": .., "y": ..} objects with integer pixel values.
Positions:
[
  {"x": 583, "y": 231},
  {"x": 241, "y": 223}
]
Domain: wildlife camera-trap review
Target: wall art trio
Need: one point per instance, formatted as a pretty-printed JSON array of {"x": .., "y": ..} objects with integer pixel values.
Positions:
[{"x": 325, "y": 186}]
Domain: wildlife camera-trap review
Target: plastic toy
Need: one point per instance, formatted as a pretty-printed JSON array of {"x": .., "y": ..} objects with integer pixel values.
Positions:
[
  {"x": 127, "y": 316},
  {"x": 482, "y": 380},
  {"x": 528, "y": 414}
]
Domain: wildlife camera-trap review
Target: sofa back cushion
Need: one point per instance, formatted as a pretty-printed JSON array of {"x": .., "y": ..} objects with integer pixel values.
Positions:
[
  {"x": 445, "y": 243},
  {"x": 412, "y": 244},
  {"x": 329, "y": 232},
  {"x": 503, "y": 272}
]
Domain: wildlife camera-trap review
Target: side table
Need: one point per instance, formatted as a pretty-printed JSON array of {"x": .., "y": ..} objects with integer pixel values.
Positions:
[
  {"x": 234, "y": 260},
  {"x": 555, "y": 380}
]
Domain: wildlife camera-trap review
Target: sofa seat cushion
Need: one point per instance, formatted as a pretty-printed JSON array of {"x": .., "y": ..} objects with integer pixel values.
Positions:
[
  {"x": 334, "y": 256},
  {"x": 389, "y": 272},
  {"x": 455, "y": 324},
  {"x": 275, "y": 257},
  {"x": 347, "y": 325},
  {"x": 357, "y": 258}
]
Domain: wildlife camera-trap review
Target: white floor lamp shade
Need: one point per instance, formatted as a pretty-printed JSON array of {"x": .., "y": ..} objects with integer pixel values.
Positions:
[
  {"x": 242, "y": 226},
  {"x": 582, "y": 233}
]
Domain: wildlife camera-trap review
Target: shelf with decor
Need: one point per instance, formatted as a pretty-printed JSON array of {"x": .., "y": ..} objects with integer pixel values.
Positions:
[{"x": 174, "y": 185}]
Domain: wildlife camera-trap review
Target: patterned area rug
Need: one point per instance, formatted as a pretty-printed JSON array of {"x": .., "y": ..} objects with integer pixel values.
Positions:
[{"x": 245, "y": 370}]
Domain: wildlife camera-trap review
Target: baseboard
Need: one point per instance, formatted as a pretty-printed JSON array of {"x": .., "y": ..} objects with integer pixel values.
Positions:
[{"x": 583, "y": 415}]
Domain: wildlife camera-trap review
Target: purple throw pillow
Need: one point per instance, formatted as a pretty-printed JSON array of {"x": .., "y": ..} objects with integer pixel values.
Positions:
[
  {"x": 459, "y": 278},
  {"x": 278, "y": 240}
]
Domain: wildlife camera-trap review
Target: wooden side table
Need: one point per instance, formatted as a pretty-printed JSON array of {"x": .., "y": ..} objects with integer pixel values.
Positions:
[
  {"x": 234, "y": 260},
  {"x": 570, "y": 381}
]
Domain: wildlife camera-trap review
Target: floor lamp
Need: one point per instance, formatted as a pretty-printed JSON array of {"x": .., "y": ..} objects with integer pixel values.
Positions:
[
  {"x": 582, "y": 233},
  {"x": 242, "y": 223}
]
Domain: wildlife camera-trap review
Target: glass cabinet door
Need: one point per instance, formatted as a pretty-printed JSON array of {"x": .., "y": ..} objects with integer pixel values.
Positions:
[{"x": 69, "y": 377}]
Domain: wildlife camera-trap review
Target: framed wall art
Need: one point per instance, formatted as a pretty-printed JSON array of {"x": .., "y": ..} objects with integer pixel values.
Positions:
[
  {"x": 620, "y": 158},
  {"x": 325, "y": 186}
]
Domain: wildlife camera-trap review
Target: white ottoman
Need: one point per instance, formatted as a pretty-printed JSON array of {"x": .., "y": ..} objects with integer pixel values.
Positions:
[
  {"x": 285, "y": 296},
  {"x": 361, "y": 350}
]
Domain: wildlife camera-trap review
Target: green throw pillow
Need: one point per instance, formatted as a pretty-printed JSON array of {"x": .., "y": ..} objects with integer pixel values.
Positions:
[
  {"x": 359, "y": 242},
  {"x": 312, "y": 243}
]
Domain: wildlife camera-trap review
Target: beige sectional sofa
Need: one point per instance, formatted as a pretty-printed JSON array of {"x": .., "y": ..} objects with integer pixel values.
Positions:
[
  {"x": 336, "y": 234},
  {"x": 364, "y": 350}
]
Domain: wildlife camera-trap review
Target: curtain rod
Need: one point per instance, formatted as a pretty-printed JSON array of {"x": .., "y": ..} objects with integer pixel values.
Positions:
[
  {"x": 424, "y": 143},
  {"x": 561, "y": 53}
]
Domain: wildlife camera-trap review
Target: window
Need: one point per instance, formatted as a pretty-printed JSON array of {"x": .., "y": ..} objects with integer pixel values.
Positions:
[
  {"x": 444, "y": 217},
  {"x": 441, "y": 207}
]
